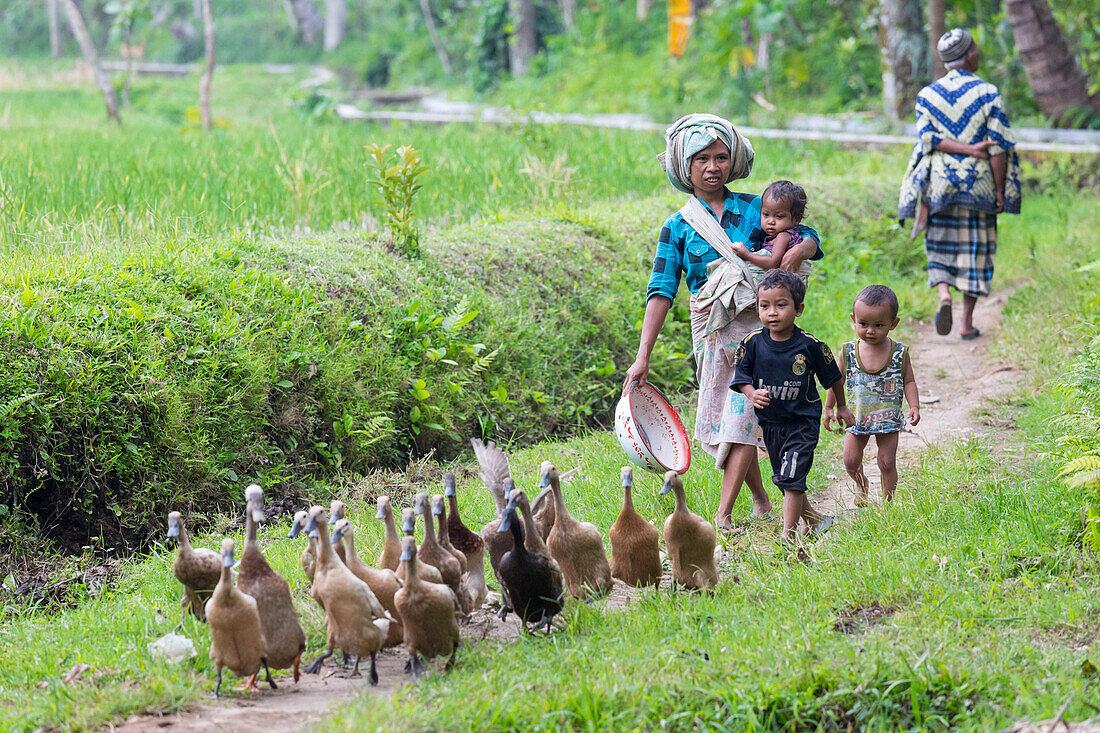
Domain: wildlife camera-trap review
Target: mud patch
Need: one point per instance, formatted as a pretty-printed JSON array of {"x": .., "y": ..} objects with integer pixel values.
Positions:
[
  {"x": 857, "y": 619},
  {"x": 52, "y": 584}
]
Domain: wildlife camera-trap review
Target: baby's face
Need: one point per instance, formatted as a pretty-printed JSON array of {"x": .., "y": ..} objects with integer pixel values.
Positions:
[
  {"x": 873, "y": 323},
  {"x": 775, "y": 216}
]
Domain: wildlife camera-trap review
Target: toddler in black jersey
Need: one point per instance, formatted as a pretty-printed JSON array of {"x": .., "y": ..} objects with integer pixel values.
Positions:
[{"x": 775, "y": 370}]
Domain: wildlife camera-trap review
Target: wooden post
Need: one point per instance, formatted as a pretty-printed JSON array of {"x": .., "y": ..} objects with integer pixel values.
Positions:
[
  {"x": 91, "y": 56},
  {"x": 208, "y": 70}
]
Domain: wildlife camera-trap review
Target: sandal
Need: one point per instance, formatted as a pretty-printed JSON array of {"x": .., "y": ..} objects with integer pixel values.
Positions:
[
  {"x": 943, "y": 318},
  {"x": 970, "y": 336}
]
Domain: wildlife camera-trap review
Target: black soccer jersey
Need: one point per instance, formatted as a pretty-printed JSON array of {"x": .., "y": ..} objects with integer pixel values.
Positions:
[{"x": 786, "y": 369}]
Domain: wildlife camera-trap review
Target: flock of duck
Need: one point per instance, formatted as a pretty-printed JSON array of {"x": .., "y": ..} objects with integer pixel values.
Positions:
[{"x": 418, "y": 594}]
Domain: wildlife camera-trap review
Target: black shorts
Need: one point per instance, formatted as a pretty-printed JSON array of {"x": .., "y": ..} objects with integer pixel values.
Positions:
[{"x": 791, "y": 450}]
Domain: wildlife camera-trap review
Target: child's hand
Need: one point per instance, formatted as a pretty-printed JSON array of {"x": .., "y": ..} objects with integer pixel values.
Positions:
[
  {"x": 740, "y": 249},
  {"x": 843, "y": 413},
  {"x": 914, "y": 415},
  {"x": 830, "y": 415},
  {"x": 760, "y": 398}
]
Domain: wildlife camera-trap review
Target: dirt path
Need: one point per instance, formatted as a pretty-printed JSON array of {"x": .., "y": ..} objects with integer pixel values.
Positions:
[{"x": 956, "y": 380}]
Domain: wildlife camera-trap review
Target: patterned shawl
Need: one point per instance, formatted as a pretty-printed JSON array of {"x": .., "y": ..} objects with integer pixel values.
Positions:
[{"x": 960, "y": 107}]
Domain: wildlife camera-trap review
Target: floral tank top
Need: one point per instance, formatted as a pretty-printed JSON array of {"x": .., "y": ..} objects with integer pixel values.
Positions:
[{"x": 875, "y": 397}]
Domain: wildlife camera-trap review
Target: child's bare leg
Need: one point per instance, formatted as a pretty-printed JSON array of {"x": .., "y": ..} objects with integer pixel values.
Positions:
[
  {"x": 792, "y": 512},
  {"x": 854, "y": 446},
  {"x": 887, "y": 444}
]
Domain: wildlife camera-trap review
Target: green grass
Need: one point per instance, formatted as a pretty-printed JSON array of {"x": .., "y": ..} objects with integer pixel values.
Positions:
[{"x": 99, "y": 270}]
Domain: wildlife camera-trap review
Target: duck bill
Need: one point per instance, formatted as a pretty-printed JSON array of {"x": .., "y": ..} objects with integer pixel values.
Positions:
[
  {"x": 449, "y": 484},
  {"x": 381, "y": 513},
  {"x": 506, "y": 520},
  {"x": 314, "y": 534},
  {"x": 173, "y": 529},
  {"x": 335, "y": 537},
  {"x": 666, "y": 488},
  {"x": 311, "y": 525},
  {"x": 409, "y": 524},
  {"x": 227, "y": 559},
  {"x": 407, "y": 553},
  {"x": 295, "y": 530},
  {"x": 437, "y": 509},
  {"x": 544, "y": 481}
]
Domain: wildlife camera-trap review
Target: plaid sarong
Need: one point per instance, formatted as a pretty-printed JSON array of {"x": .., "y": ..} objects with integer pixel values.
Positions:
[{"x": 960, "y": 244}]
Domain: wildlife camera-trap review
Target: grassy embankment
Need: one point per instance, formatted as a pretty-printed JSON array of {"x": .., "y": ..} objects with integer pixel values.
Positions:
[{"x": 1009, "y": 606}]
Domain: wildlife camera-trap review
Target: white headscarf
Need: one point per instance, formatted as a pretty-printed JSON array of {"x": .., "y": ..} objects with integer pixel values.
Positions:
[{"x": 695, "y": 132}]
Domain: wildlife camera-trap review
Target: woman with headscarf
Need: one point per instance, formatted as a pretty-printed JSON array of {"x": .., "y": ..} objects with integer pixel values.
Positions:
[{"x": 702, "y": 154}]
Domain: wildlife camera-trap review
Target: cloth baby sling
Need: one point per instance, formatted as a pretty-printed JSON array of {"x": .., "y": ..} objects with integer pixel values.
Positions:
[{"x": 731, "y": 282}]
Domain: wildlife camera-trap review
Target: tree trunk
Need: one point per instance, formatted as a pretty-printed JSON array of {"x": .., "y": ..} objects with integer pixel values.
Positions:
[
  {"x": 196, "y": 8},
  {"x": 208, "y": 70},
  {"x": 905, "y": 62},
  {"x": 91, "y": 56},
  {"x": 429, "y": 21},
  {"x": 569, "y": 14},
  {"x": 1055, "y": 78},
  {"x": 306, "y": 20},
  {"x": 55, "y": 30},
  {"x": 336, "y": 20},
  {"x": 936, "y": 28},
  {"x": 522, "y": 42},
  {"x": 643, "y": 8}
]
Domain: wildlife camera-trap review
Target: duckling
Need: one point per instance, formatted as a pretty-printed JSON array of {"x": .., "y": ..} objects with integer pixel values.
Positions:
[
  {"x": 428, "y": 573},
  {"x": 428, "y": 611},
  {"x": 432, "y": 553},
  {"x": 383, "y": 583},
  {"x": 285, "y": 639},
  {"x": 308, "y": 558},
  {"x": 236, "y": 637},
  {"x": 534, "y": 584},
  {"x": 635, "y": 550},
  {"x": 443, "y": 530},
  {"x": 577, "y": 546},
  {"x": 197, "y": 568},
  {"x": 356, "y": 621},
  {"x": 336, "y": 512},
  {"x": 391, "y": 549},
  {"x": 468, "y": 543},
  {"x": 690, "y": 541}
]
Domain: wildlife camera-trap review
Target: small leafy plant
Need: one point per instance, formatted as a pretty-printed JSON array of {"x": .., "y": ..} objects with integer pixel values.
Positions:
[
  {"x": 398, "y": 185},
  {"x": 1083, "y": 473}
]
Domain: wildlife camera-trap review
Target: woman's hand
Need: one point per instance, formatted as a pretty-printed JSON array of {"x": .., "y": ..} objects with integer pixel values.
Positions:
[{"x": 638, "y": 372}]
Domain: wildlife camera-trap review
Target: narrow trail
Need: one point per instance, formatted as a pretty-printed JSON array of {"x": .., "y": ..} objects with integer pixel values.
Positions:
[{"x": 956, "y": 380}]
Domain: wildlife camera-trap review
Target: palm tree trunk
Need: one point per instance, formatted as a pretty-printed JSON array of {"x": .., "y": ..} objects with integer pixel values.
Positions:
[
  {"x": 936, "y": 29},
  {"x": 1055, "y": 77},
  {"x": 906, "y": 66}
]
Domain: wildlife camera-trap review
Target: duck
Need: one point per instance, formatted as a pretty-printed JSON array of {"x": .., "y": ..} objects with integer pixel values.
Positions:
[
  {"x": 690, "y": 541},
  {"x": 236, "y": 636},
  {"x": 533, "y": 581},
  {"x": 428, "y": 612},
  {"x": 635, "y": 543},
  {"x": 543, "y": 506},
  {"x": 383, "y": 582},
  {"x": 496, "y": 475},
  {"x": 336, "y": 511},
  {"x": 468, "y": 543},
  {"x": 432, "y": 553},
  {"x": 198, "y": 568},
  {"x": 443, "y": 530},
  {"x": 355, "y": 620},
  {"x": 308, "y": 557},
  {"x": 391, "y": 548},
  {"x": 576, "y": 546},
  {"x": 532, "y": 538},
  {"x": 283, "y": 631},
  {"x": 428, "y": 573}
]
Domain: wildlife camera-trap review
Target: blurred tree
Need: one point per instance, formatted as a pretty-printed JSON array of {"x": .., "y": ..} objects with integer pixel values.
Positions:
[
  {"x": 336, "y": 20},
  {"x": 208, "y": 69},
  {"x": 55, "y": 29},
  {"x": 91, "y": 56},
  {"x": 906, "y": 65},
  {"x": 522, "y": 42},
  {"x": 429, "y": 21},
  {"x": 937, "y": 26},
  {"x": 1060, "y": 87},
  {"x": 304, "y": 19}
]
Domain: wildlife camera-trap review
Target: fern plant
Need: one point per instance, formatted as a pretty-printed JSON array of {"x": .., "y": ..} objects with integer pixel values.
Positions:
[{"x": 1083, "y": 473}]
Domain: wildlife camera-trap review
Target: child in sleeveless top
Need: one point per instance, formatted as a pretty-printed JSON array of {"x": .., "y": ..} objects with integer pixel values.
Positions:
[{"x": 878, "y": 372}]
